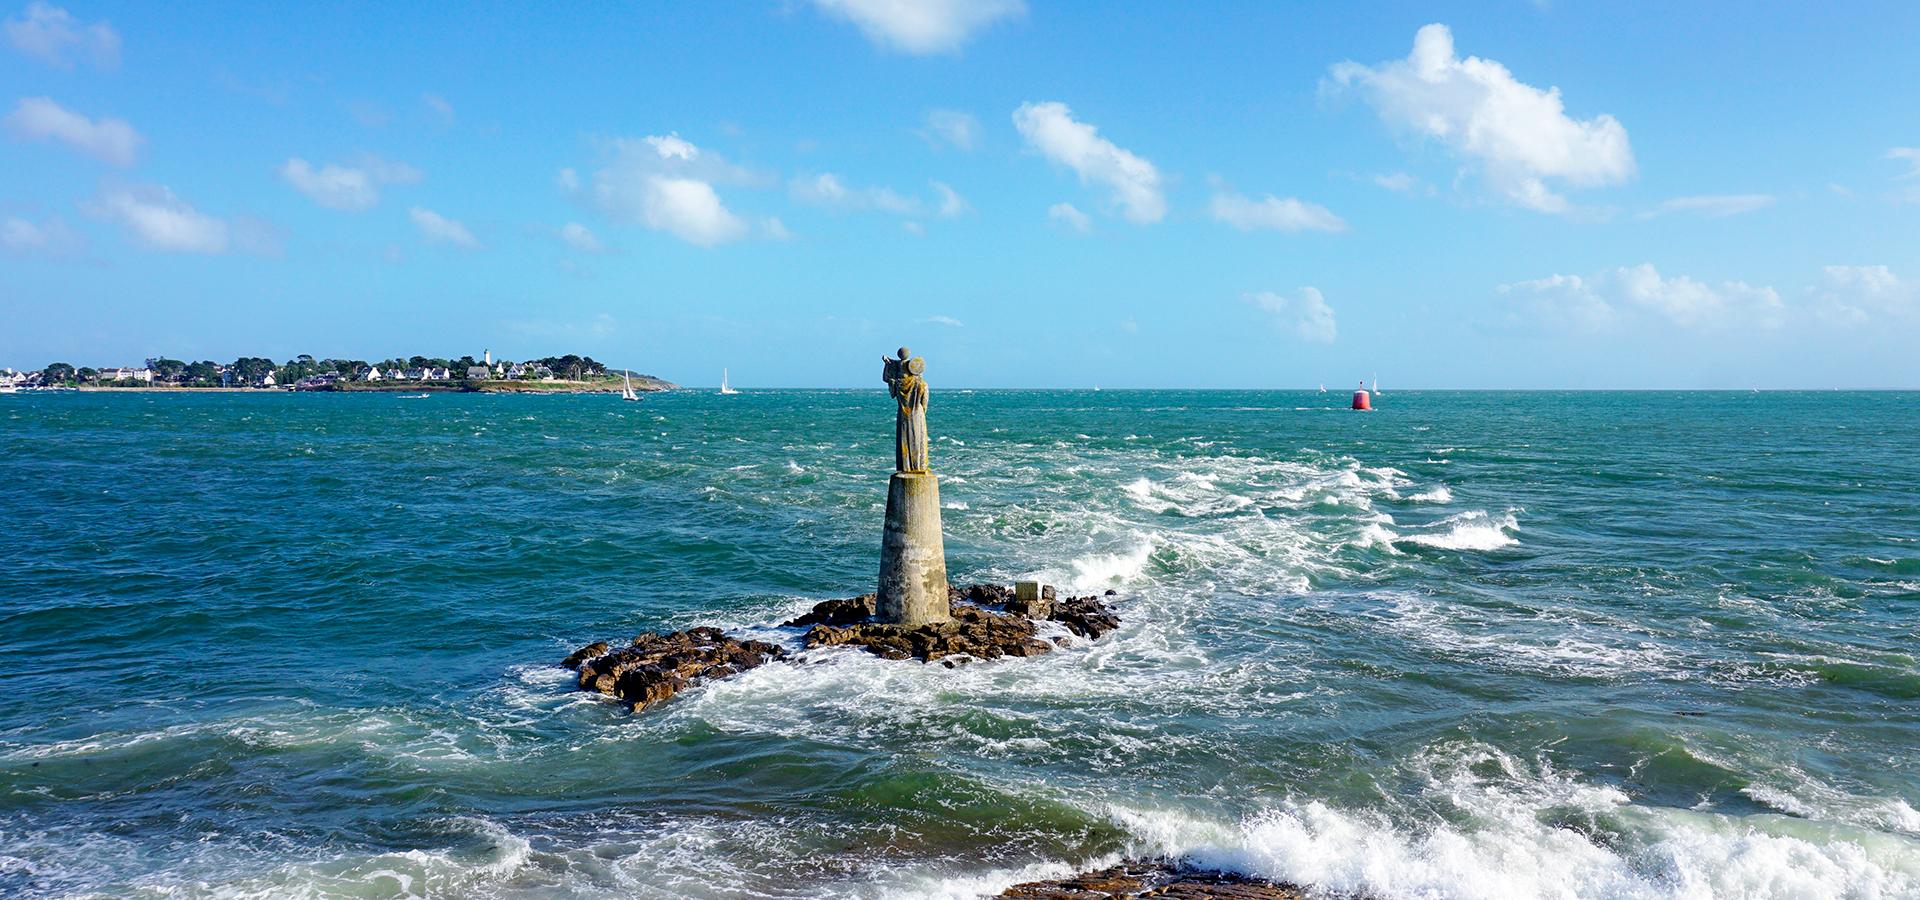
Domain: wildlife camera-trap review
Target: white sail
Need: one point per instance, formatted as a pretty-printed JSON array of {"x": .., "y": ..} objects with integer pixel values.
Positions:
[
  {"x": 626, "y": 389},
  {"x": 724, "y": 389}
]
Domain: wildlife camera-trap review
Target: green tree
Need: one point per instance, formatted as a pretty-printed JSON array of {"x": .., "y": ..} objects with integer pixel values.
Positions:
[{"x": 57, "y": 373}]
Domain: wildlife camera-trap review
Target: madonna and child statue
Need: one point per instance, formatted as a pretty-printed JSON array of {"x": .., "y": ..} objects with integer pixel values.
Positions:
[{"x": 913, "y": 559}]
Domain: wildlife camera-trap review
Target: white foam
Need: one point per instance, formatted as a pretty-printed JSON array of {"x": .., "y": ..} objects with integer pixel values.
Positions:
[
  {"x": 1436, "y": 494},
  {"x": 1470, "y": 530}
]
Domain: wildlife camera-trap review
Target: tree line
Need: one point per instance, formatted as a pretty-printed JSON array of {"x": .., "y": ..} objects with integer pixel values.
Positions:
[{"x": 251, "y": 370}]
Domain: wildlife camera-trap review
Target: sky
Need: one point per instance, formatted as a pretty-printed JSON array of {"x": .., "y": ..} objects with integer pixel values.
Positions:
[{"x": 1030, "y": 193}]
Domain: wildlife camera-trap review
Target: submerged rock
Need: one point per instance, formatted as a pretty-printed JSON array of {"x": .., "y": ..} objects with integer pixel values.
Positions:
[
  {"x": 1155, "y": 879},
  {"x": 975, "y": 630},
  {"x": 657, "y": 666}
]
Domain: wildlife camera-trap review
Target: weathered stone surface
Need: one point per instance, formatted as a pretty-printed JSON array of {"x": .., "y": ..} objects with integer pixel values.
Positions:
[
  {"x": 1155, "y": 878},
  {"x": 657, "y": 666},
  {"x": 837, "y": 612},
  {"x": 913, "y": 558},
  {"x": 974, "y": 629}
]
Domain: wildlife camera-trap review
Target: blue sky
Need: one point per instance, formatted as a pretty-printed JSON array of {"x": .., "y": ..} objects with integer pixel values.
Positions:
[{"x": 1029, "y": 193}]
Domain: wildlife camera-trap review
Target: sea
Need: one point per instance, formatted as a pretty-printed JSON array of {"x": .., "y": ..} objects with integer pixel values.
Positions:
[{"x": 1466, "y": 645}]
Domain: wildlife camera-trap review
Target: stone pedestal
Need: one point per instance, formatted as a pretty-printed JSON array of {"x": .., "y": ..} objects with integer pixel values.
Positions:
[{"x": 913, "y": 559}]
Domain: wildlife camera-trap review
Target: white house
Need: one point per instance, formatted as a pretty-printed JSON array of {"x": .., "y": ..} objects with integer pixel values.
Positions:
[
  {"x": 438, "y": 373},
  {"x": 373, "y": 373},
  {"x": 268, "y": 380},
  {"x": 518, "y": 371},
  {"x": 416, "y": 374},
  {"x": 123, "y": 373}
]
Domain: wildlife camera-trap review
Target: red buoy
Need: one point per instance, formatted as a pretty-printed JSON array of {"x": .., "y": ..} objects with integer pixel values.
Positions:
[{"x": 1362, "y": 400}]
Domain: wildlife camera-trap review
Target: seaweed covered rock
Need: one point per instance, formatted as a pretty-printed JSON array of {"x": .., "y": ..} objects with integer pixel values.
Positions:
[
  {"x": 976, "y": 629},
  {"x": 1155, "y": 878},
  {"x": 657, "y": 666}
]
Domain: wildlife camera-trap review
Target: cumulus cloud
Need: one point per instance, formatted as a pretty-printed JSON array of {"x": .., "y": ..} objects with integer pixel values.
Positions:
[
  {"x": 1717, "y": 206},
  {"x": 1068, "y": 216},
  {"x": 439, "y": 106},
  {"x": 951, "y": 205},
  {"x": 438, "y": 229},
  {"x": 1853, "y": 295},
  {"x": 111, "y": 141},
  {"x": 1518, "y": 135},
  {"x": 1132, "y": 182},
  {"x": 20, "y": 237},
  {"x": 830, "y": 191},
  {"x": 159, "y": 220},
  {"x": 331, "y": 186},
  {"x": 581, "y": 238},
  {"x": 1291, "y": 215},
  {"x": 1609, "y": 299},
  {"x": 921, "y": 26},
  {"x": 349, "y": 188},
  {"x": 53, "y": 36},
  {"x": 949, "y": 127},
  {"x": 666, "y": 183},
  {"x": 1911, "y": 155},
  {"x": 1305, "y": 315}
]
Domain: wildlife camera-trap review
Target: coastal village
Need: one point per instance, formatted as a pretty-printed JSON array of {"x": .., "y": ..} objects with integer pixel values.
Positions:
[{"x": 305, "y": 373}]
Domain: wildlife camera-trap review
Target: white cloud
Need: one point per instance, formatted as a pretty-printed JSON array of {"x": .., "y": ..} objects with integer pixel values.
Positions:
[
  {"x": 1134, "y": 183},
  {"x": 581, "y": 238},
  {"x": 921, "y": 26},
  {"x": 1519, "y": 135},
  {"x": 159, "y": 220},
  {"x": 959, "y": 130},
  {"x": 1912, "y": 157},
  {"x": 690, "y": 210},
  {"x": 665, "y": 183},
  {"x": 439, "y": 106},
  {"x": 331, "y": 186},
  {"x": 1398, "y": 182},
  {"x": 952, "y": 205},
  {"x": 49, "y": 33},
  {"x": 775, "y": 229},
  {"x": 1070, "y": 217},
  {"x": 439, "y": 229},
  {"x": 948, "y": 321},
  {"x": 1716, "y": 206},
  {"x": 830, "y": 191},
  {"x": 1607, "y": 300},
  {"x": 111, "y": 141},
  {"x": 1290, "y": 215},
  {"x": 1306, "y": 315},
  {"x": 348, "y": 188},
  {"x": 1852, "y": 295},
  {"x": 386, "y": 171},
  {"x": 19, "y": 237}
]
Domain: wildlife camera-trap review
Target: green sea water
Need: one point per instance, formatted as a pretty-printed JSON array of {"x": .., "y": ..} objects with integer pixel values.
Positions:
[{"x": 1467, "y": 645}]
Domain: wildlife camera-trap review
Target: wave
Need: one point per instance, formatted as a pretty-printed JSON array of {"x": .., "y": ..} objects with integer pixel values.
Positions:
[{"x": 1470, "y": 530}]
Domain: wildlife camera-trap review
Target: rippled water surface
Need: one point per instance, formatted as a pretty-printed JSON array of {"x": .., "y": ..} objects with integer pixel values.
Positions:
[{"x": 1467, "y": 645}]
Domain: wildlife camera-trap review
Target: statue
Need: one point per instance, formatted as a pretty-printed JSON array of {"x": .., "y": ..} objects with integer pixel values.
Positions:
[
  {"x": 909, "y": 389},
  {"x": 913, "y": 558}
]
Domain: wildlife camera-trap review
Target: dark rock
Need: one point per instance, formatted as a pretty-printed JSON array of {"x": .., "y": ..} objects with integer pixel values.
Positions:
[
  {"x": 837, "y": 612},
  {"x": 1087, "y": 617},
  {"x": 597, "y": 648},
  {"x": 657, "y": 666},
  {"x": 1156, "y": 878},
  {"x": 975, "y": 630}
]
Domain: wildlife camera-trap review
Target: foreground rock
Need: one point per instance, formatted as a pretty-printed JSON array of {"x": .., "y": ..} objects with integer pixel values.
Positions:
[
  {"x": 657, "y": 666},
  {"x": 1155, "y": 879},
  {"x": 977, "y": 629}
]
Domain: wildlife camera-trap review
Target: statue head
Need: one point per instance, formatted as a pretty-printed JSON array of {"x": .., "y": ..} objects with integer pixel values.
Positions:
[
  {"x": 917, "y": 366},
  {"x": 903, "y": 353}
]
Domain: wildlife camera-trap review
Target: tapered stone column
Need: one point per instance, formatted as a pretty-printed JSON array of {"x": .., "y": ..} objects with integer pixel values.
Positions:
[{"x": 913, "y": 557}]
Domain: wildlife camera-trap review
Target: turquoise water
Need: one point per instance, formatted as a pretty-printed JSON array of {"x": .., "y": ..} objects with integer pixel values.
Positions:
[{"x": 1468, "y": 645}]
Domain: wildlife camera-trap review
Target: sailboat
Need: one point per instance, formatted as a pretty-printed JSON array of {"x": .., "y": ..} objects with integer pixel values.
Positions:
[
  {"x": 724, "y": 389},
  {"x": 1323, "y": 387},
  {"x": 626, "y": 389},
  {"x": 1376, "y": 385}
]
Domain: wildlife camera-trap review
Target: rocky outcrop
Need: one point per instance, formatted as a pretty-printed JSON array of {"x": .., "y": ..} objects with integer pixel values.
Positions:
[
  {"x": 1155, "y": 879},
  {"x": 976, "y": 630},
  {"x": 657, "y": 666}
]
